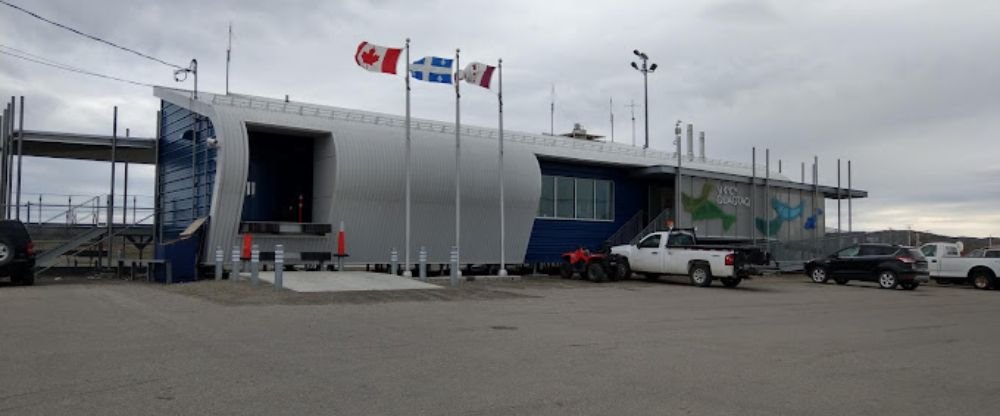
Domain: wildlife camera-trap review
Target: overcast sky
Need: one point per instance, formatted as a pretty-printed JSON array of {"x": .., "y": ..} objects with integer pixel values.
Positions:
[{"x": 908, "y": 90}]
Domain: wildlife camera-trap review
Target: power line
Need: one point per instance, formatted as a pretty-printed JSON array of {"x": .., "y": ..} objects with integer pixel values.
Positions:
[
  {"x": 17, "y": 53},
  {"x": 92, "y": 37}
]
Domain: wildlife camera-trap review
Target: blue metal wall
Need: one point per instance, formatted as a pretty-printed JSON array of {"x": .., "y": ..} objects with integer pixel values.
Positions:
[
  {"x": 552, "y": 237},
  {"x": 184, "y": 184},
  {"x": 178, "y": 193}
]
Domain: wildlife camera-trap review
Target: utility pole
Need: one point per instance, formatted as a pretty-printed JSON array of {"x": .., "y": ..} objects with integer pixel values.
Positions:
[
  {"x": 229, "y": 50},
  {"x": 552, "y": 111},
  {"x": 611, "y": 108}
]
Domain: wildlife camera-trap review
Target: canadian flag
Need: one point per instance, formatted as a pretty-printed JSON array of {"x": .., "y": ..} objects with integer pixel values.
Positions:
[
  {"x": 377, "y": 58},
  {"x": 477, "y": 73}
]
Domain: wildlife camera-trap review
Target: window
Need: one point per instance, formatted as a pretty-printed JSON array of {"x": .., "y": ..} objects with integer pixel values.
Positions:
[
  {"x": 951, "y": 251},
  {"x": 585, "y": 199},
  {"x": 547, "y": 203},
  {"x": 602, "y": 199},
  {"x": 993, "y": 254},
  {"x": 849, "y": 252},
  {"x": 929, "y": 251},
  {"x": 680, "y": 240},
  {"x": 576, "y": 198},
  {"x": 652, "y": 241},
  {"x": 565, "y": 198}
]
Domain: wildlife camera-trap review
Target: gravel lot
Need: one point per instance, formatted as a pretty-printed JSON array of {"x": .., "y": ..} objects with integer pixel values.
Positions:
[{"x": 534, "y": 346}]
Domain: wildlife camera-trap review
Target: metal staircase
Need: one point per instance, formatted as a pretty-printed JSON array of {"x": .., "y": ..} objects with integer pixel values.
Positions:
[{"x": 47, "y": 259}]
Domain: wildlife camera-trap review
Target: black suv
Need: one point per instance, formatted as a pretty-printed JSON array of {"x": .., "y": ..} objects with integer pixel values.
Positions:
[
  {"x": 888, "y": 265},
  {"x": 17, "y": 253}
]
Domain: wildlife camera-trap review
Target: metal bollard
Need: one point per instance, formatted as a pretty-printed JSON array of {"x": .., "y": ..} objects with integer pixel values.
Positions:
[
  {"x": 454, "y": 266},
  {"x": 234, "y": 274},
  {"x": 393, "y": 261},
  {"x": 422, "y": 258},
  {"x": 255, "y": 265},
  {"x": 219, "y": 259},
  {"x": 279, "y": 266}
]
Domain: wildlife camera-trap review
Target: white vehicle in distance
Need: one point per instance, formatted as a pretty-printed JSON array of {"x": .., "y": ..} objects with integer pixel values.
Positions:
[
  {"x": 946, "y": 265},
  {"x": 679, "y": 252}
]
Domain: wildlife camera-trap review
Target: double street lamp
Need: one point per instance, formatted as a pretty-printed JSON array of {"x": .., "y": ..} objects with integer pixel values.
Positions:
[{"x": 645, "y": 69}]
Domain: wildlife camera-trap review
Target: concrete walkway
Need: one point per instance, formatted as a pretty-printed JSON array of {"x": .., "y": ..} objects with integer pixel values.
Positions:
[{"x": 344, "y": 281}]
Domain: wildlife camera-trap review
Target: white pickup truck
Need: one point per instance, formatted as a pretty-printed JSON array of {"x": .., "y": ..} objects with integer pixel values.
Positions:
[
  {"x": 677, "y": 252},
  {"x": 946, "y": 265}
]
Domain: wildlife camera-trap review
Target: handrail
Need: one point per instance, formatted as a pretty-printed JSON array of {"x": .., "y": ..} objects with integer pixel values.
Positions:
[
  {"x": 117, "y": 232},
  {"x": 71, "y": 209},
  {"x": 628, "y": 230},
  {"x": 654, "y": 225}
]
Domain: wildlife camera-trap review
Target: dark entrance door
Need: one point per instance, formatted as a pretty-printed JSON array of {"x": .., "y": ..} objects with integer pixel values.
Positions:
[{"x": 661, "y": 197}]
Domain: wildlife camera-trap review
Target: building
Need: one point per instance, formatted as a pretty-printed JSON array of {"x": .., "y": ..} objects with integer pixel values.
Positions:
[{"x": 291, "y": 173}]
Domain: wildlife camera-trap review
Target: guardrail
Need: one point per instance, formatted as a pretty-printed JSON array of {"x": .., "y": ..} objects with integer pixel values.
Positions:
[{"x": 46, "y": 209}]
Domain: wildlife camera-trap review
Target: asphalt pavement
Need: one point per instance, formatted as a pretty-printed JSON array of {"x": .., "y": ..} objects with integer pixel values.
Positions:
[{"x": 535, "y": 346}]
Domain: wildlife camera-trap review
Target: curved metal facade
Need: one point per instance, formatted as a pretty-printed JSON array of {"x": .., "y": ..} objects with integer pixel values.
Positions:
[{"x": 360, "y": 180}]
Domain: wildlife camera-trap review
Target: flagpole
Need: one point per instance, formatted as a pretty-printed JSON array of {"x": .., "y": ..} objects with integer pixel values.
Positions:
[
  {"x": 503, "y": 247},
  {"x": 406, "y": 271},
  {"x": 458, "y": 169}
]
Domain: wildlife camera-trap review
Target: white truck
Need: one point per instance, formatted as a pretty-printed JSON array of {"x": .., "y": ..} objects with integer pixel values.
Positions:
[
  {"x": 678, "y": 252},
  {"x": 946, "y": 265}
]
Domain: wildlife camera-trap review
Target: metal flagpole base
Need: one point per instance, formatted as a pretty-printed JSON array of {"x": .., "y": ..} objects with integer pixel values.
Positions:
[
  {"x": 502, "y": 273},
  {"x": 407, "y": 273}
]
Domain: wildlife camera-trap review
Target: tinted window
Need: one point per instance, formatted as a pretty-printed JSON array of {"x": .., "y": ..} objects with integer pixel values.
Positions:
[
  {"x": 849, "y": 252},
  {"x": 652, "y": 241},
  {"x": 603, "y": 200},
  {"x": 564, "y": 197},
  {"x": 547, "y": 203},
  {"x": 909, "y": 252},
  {"x": 585, "y": 198},
  {"x": 993, "y": 254},
  {"x": 929, "y": 251},
  {"x": 680, "y": 240},
  {"x": 870, "y": 251}
]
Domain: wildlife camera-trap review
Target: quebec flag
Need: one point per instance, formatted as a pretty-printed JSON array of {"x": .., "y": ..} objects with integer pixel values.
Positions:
[{"x": 432, "y": 69}]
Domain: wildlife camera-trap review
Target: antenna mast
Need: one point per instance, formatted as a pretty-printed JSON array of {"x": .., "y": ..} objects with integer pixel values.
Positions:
[
  {"x": 552, "y": 112},
  {"x": 611, "y": 108},
  {"x": 633, "y": 106},
  {"x": 229, "y": 49}
]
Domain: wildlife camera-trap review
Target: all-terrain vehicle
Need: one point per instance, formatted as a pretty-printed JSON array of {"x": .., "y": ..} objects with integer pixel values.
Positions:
[{"x": 594, "y": 266}]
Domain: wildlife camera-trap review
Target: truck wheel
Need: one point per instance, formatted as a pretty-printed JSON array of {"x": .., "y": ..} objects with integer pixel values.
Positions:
[
  {"x": 596, "y": 272},
  {"x": 841, "y": 281},
  {"x": 565, "y": 270},
  {"x": 731, "y": 281},
  {"x": 909, "y": 285},
  {"x": 887, "y": 279},
  {"x": 982, "y": 280},
  {"x": 818, "y": 274},
  {"x": 700, "y": 275},
  {"x": 622, "y": 270}
]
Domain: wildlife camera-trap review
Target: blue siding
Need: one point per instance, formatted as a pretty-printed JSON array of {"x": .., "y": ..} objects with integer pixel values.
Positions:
[
  {"x": 176, "y": 191},
  {"x": 184, "y": 185},
  {"x": 552, "y": 237}
]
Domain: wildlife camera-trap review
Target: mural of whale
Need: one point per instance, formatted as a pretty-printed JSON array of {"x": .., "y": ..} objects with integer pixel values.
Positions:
[
  {"x": 702, "y": 208},
  {"x": 783, "y": 213}
]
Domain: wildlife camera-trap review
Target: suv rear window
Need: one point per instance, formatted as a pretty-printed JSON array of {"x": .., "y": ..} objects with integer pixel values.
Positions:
[
  {"x": 993, "y": 254},
  {"x": 910, "y": 252}
]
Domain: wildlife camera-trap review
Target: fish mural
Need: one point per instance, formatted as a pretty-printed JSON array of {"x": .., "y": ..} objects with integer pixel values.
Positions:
[
  {"x": 702, "y": 208},
  {"x": 811, "y": 220},
  {"x": 783, "y": 213}
]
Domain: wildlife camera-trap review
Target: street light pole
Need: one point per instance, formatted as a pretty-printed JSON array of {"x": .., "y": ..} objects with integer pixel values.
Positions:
[{"x": 646, "y": 68}]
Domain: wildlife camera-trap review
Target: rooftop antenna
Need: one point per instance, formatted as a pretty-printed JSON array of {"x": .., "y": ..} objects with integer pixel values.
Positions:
[
  {"x": 633, "y": 106},
  {"x": 552, "y": 112},
  {"x": 229, "y": 50},
  {"x": 611, "y": 108}
]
